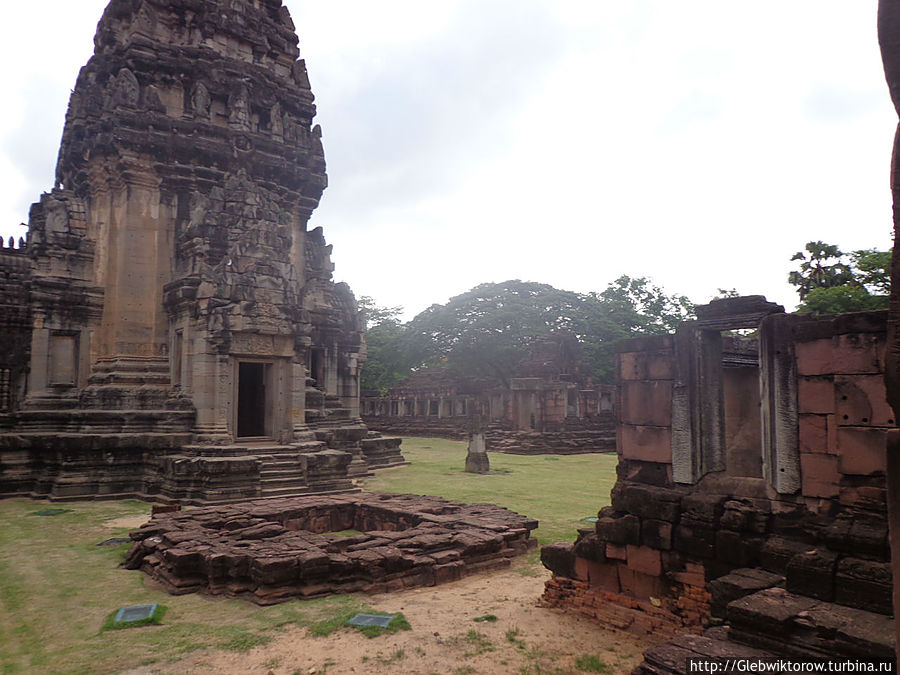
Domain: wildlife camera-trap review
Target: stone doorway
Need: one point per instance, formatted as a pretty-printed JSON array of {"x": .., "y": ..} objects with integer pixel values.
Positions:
[{"x": 254, "y": 412}]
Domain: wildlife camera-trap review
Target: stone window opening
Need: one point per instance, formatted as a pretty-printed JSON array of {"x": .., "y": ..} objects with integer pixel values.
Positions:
[
  {"x": 723, "y": 393},
  {"x": 741, "y": 402},
  {"x": 433, "y": 408}
]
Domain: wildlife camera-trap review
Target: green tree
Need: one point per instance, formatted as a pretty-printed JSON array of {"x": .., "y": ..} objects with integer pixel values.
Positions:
[
  {"x": 626, "y": 308},
  {"x": 828, "y": 285},
  {"x": 872, "y": 269},
  {"x": 386, "y": 363},
  {"x": 487, "y": 331},
  {"x": 840, "y": 300},
  {"x": 821, "y": 266}
]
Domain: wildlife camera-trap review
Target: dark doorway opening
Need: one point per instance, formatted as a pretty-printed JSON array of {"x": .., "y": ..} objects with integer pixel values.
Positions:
[{"x": 251, "y": 412}]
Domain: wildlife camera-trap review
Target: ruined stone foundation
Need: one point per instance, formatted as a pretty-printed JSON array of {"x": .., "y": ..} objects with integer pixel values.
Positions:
[
  {"x": 750, "y": 493},
  {"x": 275, "y": 550},
  {"x": 174, "y": 329}
]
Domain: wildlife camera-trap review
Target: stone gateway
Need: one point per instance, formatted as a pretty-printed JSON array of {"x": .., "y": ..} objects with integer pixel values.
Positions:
[{"x": 174, "y": 330}]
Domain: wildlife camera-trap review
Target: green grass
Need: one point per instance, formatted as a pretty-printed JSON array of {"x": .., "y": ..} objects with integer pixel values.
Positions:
[
  {"x": 560, "y": 491},
  {"x": 57, "y": 587},
  {"x": 591, "y": 664}
]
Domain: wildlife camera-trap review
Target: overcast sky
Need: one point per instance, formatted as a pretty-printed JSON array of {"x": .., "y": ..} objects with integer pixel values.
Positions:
[{"x": 700, "y": 142}]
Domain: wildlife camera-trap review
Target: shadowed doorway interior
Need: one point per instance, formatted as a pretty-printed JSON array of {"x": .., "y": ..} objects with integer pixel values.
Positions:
[{"x": 252, "y": 413}]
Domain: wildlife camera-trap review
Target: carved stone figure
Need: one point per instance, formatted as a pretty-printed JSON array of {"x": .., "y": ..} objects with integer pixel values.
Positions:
[
  {"x": 239, "y": 108},
  {"x": 200, "y": 101},
  {"x": 126, "y": 90}
]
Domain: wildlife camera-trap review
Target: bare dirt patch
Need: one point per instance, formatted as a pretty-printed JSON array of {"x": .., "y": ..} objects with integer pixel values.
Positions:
[
  {"x": 127, "y": 521},
  {"x": 445, "y": 638}
]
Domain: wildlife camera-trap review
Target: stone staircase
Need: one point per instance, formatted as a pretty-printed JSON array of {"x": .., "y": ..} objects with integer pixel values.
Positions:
[{"x": 765, "y": 620}]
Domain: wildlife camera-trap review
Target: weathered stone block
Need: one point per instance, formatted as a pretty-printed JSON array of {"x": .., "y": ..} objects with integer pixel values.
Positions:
[
  {"x": 861, "y": 451},
  {"x": 813, "y": 433},
  {"x": 704, "y": 508},
  {"x": 656, "y": 534},
  {"x": 646, "y": 403},
  {"x": 737, "y": 549},
  {"x": 647, "y": 501},
  {"x": 559, "y": 558},
  {"x": 744, "y": 517},
  {"x": 861, "y": 400},
  {"x": 645, "y": 443},
  {"x": 737, "y": 584},
  {"x": 777, "y": 552},
  {"x": 819, "y": 475},
  {"x": 815, "y": 395},
  {"x": 859, "y": 535},
  {"x": 591, "y": 547},
  {"x": 857, "y": 353},
  {"x": 616, "y": 552},
  {"x": 812, "y": 574},
  {"x": 621, "y": 529},
  {"x": 696, "y": 541},
  {"x": 645, "y": 560},
  {"x": 645, "y": 365},
  {"x": 604, "y": 576},
  {"x": 640, "y": 585},
  {"x": 650, "y": 473},
  {"x": 815, "y": 357},
  {"x": 864, "y": 584}
]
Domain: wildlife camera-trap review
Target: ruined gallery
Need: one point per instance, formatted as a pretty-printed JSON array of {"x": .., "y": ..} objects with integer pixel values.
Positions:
[{"x": 171, "y": 329}]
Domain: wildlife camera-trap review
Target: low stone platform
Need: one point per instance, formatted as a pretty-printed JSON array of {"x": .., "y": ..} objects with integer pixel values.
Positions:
[{"x": 272, "y": 550}]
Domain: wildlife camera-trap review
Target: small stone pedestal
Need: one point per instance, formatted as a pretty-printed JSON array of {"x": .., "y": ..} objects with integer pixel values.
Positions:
[{"x": 476, "y": 457}]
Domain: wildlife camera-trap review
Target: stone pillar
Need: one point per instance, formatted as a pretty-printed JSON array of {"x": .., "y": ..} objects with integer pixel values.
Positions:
[
  {"x": 40, "y": 354},
  {"x": 138, "y": 246}
]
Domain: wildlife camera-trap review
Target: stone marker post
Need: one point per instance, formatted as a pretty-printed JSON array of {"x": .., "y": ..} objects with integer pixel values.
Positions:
[{"x": 476, "y": 457}]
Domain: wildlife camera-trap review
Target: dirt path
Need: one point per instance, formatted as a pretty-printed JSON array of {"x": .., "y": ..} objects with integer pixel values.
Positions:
[{"x": 444, "y": 638}]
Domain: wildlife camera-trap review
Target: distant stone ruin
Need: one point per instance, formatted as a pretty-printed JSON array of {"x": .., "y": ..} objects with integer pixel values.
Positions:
[
  {"x": 171, "y": 328},
  {"x": 275, "y": 550},
  {"x": 751, "y": 491},
  {"x": 549, "y": 407}
]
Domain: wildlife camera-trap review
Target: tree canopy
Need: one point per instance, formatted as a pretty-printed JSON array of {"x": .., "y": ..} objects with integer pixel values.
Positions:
[
  {"x": 830, "y": 281},
  {"x": 489, "y": 330}
]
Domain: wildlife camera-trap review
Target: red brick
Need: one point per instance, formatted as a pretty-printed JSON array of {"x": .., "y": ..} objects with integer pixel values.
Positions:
[
  {"x": 813, "y": 430},
  {"x": 646, "y": 403},
  {"x": 815, "y": 395},
  {"x": 861, "y": 450},
  {"x": 649, "y": 444},
  {"x": 644, "y": 559},
  {"x": 820, "y": 476},
  {"x": 862, "y": 400},
  {"x": 815, "y": 358}
]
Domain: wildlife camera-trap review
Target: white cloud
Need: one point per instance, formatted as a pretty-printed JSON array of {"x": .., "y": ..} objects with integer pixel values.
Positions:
[{"x": 569, "y": 141}]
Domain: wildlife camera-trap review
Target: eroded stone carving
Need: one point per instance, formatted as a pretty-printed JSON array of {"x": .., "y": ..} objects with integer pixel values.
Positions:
[{"x": 173, "y": 261}]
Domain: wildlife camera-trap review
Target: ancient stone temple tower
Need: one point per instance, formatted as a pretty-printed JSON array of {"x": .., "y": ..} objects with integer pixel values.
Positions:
[{"x": 183, "y": 336}]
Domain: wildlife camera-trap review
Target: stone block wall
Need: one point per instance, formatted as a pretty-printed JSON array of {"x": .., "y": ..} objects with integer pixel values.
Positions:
[{"x": 649, "y": 562}]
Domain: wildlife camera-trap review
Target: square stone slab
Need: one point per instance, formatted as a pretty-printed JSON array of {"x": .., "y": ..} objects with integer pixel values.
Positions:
[
  {"x": 135, "y": 613},
  {"x": 371, "y": 620}
]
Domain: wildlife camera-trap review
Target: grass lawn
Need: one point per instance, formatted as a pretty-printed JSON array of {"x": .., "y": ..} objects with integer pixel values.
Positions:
[
  {"x": 559, "y": 490},
  {"x": 57, "y": 586}
]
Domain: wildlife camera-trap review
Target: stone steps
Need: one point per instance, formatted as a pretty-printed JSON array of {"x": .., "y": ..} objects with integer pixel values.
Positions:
[{"x": 774, "y": 623}]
